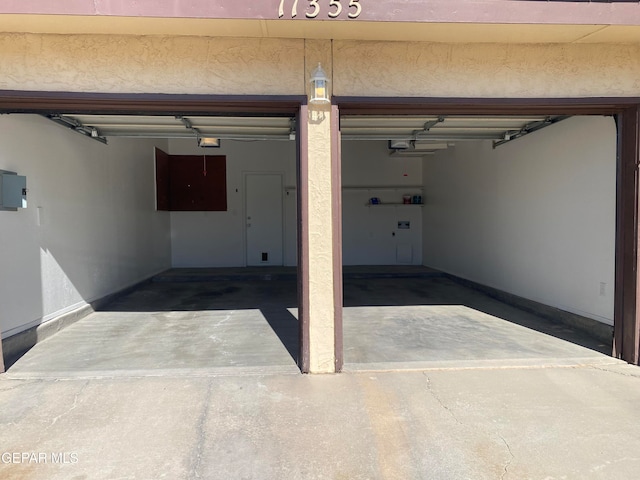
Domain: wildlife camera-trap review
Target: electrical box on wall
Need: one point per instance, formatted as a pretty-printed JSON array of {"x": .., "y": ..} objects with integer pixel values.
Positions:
[{"x": 13, "y": 191}]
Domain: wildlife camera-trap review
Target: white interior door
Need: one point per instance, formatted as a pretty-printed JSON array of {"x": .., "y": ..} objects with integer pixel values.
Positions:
[{"x": 264, "y": 219}]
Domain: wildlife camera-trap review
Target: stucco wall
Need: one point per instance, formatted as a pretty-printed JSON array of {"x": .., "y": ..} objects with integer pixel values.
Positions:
[
  {"x": 90, "y": 228},
  {"x": 153, "y": 64},
  {"x": 210, "y": 65},
  {"x": 485, "y": 70},
  {"x": 535, "y": 217}
]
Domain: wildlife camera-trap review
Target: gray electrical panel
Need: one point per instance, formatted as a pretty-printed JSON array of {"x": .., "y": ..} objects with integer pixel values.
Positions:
[{"x": 13, "y": 191}]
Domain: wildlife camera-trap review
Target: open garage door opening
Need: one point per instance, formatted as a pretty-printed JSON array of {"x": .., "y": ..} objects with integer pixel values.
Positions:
[
  {"x": 478, "y": 239},
  {"x": 201, "y": 209}
]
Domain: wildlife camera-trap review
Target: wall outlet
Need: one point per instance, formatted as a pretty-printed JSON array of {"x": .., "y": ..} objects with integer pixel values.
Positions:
[{"x": 603, "y": 289}]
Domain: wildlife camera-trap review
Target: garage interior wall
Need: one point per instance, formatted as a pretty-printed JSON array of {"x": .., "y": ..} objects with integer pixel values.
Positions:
[
  {"x": 534, "y": 217},
  {"x": 216, "y": 239},
  {"x": 370, "y": 234},
  {"x": 90, "y": 228}
]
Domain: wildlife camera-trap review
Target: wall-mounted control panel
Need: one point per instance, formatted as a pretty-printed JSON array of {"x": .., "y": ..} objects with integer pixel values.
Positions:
[{"x": 13, "y": 191}]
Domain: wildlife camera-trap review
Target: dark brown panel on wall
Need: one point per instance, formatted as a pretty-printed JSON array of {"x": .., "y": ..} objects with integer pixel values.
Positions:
[
  {"x": 162, "y": 180},
  {"x": 198, "y": 183}
]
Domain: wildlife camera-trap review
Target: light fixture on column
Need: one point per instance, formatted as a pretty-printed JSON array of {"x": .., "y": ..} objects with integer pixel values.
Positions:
[{"x": 319, "y": 87}]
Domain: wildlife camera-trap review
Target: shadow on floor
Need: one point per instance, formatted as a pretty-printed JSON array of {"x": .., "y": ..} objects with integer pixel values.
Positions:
[{"x": 285, "y": 326}]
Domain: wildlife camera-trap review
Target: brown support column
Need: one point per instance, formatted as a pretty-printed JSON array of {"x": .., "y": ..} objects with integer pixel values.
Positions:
[
  {"x": 626, "y": 343},
  {"x": 303, "y": 237},
  {"x": 336, "y": 194}
]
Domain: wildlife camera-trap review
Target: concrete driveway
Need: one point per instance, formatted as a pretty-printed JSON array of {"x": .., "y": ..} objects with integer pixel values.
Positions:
[{"x": 484, "y": 423}]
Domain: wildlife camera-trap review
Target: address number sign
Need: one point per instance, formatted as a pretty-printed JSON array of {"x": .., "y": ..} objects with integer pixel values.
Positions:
[{"x": 333, "y": 11}]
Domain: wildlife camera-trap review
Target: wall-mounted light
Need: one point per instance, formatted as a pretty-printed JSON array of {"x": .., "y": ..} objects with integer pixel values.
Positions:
[
  {"x": 319, "y": 87},
  {"x": 208, "y": 142}
]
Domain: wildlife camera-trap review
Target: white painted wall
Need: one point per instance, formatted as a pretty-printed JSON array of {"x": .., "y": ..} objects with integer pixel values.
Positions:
[
  {"x": 98, "y": 231},
  {"x": 370, "y": 234},
  {"x": 217, "y": 239},
  {"x": 535, "y": 217}
]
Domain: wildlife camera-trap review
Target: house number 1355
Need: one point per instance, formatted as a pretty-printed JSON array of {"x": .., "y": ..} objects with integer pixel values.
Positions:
[{"x": 335, "y": 9}]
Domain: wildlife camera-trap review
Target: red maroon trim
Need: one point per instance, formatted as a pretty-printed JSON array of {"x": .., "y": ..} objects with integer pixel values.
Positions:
[
  {"x": 17, "y": 101},
  {"x": 626, "y": 343},
  {"x": 304, "y": 360}
]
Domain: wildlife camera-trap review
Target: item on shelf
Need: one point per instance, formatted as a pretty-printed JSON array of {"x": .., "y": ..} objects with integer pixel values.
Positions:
[
  {"x": 417, "y": 200},
  {"x": 406, "y": 199},
  {"x": 374, "y": 201}
]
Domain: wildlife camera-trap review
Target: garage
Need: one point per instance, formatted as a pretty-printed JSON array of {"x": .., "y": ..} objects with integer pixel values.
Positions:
[
  {"x": 492, "y": 223},
  {"x": 101, "y": 217},
  {"x": 406, "y": 257}
]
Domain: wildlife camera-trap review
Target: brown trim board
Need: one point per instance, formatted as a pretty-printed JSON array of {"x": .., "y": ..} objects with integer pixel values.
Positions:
[
  {"x": 482, "y": 106},
  {"x": 304, "y": 360},
  {"x": 626, "y": 343},
  {"x": 2, "y": 369},
  {"x": 336, "y": 214},
  {"x": 13, "y": 101}
]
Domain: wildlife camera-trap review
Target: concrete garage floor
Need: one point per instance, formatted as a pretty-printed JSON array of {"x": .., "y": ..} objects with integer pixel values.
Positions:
[
  {"x": 191, "y": 322},
  {"x": 186, "y": 327},
  {"x": 494, "y": 400},
  {"x": 436, "y": 322}
]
